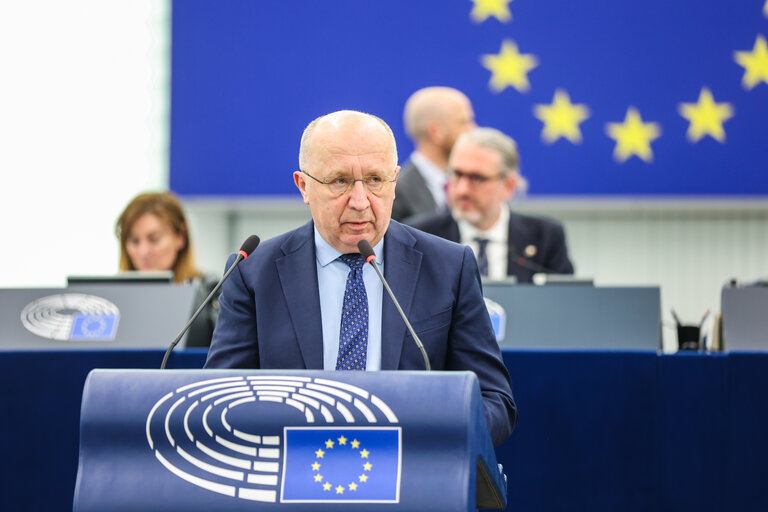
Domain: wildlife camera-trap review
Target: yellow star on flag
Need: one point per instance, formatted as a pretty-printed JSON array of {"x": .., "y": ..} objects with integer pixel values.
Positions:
[
  {"x": 561, "y": 118},
  {"x": 633, "y": 136},
  {"x": 315, "y": 466},
  {"x": 339, "y": 490},
  {"x": 509, "y": 68},
  {"x": 483, "y": 9},
  {"x": 355, "y": 443},
  {"x": 755, "y": 63},
  {"x": 353, "y": 486},
  {"x": 327, "y": 486},
  {"x": 318, "y": 478},
  {"x": 363, "y": 478},
  {"x": 706, "y": 117},
  {"x": 367, "y": 466},
  {"x": 319, "y": 454},
  {"x": 364, "y": 453},
  {"x": 342, "y": 440},
  {"x": 329, "y": 444}
]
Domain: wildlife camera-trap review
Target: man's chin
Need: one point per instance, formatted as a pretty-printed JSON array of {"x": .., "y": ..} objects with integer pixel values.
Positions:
[
  {"x": 350, "y": 241},
  {"x": 471, "y": 216}
]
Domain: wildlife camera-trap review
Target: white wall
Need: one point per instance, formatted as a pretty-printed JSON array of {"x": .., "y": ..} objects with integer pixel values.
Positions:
[{"x": 84, "y": 102}]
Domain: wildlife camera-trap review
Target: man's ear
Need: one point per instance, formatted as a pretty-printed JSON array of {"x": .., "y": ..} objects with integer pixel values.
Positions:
[
  {"x": 301, "y": 184},
  {"x": 435, "y": 132},
  {"x": 510, "y": 184}
]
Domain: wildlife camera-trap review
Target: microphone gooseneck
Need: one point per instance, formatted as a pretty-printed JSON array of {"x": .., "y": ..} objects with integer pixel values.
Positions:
[
  {"x": 367, "y": 252},
  {"x": 246, "y": 249},
  {"x": 526, "y": 263}
]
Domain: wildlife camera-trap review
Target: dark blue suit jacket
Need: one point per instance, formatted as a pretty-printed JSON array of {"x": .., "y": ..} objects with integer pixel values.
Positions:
[
  {"x": 270, "y": 314},
  {"x": 546, "y": 235}
]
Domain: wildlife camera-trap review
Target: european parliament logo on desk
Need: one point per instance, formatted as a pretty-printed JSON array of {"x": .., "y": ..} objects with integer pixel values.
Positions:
[
  {"x": 72, "y": 317},
  {"x": 359, "y": 465}
]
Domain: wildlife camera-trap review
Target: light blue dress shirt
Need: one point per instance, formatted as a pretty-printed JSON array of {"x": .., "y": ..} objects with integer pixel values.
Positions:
[{"x": 332, "y": 280}]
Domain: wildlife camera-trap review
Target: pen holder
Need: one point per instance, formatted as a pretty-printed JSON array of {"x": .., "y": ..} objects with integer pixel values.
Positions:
[{"x": 687, "y": 337}]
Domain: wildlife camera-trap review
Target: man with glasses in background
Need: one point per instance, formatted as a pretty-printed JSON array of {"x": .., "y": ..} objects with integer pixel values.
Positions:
[
  {"x": 483, "y": 175},
  {"x": 307, "y": 299}
]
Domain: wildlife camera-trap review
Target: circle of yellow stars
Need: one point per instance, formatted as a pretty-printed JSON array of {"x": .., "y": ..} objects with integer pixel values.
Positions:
[
  {"x": 329, "y": 445},
  {"x": 633, "y": 136}
]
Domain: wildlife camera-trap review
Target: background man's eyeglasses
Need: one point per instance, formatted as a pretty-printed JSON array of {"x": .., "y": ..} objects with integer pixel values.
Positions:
[
  {"x": 375, "y": 183},
  {"x": 473, "y": 178}
]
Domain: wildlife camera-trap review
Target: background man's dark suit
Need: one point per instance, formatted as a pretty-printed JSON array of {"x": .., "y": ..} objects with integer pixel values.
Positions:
[
  {"x": 547, "y": 236},
  {"x": 412, "y": 196},
  {"x": 270, "y": 313}
]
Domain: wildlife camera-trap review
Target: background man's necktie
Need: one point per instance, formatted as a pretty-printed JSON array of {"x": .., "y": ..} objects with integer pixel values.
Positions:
[
  {"x": 482, "y": 256},
  {"x": 353, "y": 337}
]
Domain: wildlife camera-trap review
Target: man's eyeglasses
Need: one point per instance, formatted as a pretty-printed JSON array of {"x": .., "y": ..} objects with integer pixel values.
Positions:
[
  {"x": 375, "y": 183},
  {"x": 474, "y": 179}
]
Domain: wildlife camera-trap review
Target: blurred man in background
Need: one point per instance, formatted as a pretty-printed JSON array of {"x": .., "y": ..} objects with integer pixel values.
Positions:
[
  {"x": 434, "y": 118},
  {"x": 483, "y": 173}
]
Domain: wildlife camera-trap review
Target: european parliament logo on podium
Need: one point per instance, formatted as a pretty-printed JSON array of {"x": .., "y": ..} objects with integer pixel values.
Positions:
[{"x": 193, "y": 432}]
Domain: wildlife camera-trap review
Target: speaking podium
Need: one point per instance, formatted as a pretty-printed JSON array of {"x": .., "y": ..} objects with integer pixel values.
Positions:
[{"x": 233, "y": 440}]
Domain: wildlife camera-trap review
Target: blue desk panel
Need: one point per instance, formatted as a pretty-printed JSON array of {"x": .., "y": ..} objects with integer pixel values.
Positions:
[{"x": 598, "y": 431}]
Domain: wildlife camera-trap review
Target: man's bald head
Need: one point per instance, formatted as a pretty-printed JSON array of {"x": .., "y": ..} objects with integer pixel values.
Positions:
[
  {"x": 434, "y": 119},
  {"x": 435, "y": 105},
  {"x": 338, "y": 121}
]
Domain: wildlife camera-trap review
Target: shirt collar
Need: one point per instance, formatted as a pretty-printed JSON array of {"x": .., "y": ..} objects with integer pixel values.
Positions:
[
  {"x": 327, "y": 254},
  {"x": 431, "y": 172}
]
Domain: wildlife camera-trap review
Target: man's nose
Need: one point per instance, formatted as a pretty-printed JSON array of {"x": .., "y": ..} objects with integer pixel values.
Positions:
[{"x": 358, "y": 196}]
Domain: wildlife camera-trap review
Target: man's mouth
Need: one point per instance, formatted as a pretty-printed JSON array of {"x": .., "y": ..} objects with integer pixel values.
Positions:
[{"x": 357, "y": 225}]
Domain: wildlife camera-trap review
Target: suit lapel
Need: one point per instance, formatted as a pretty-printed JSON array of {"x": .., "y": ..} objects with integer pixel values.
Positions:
[
  {"x": 401, "y": 268},
  {"x": 298, "y": 278}
]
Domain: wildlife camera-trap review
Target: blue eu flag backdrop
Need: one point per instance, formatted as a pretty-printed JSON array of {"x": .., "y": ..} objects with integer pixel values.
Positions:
[
  {"x": 341, "y": 464},
  {"x": 652, "y": 98}
]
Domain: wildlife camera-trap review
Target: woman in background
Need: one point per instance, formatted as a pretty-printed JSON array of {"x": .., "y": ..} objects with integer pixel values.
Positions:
[{"x": 154, "y": 236}]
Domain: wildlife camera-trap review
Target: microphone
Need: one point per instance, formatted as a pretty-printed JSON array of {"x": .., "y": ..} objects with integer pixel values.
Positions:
[
  {"x": 525, "y": 263},
  {"x": 250, "y": 244},
  {"x": 364, "y": 246}
]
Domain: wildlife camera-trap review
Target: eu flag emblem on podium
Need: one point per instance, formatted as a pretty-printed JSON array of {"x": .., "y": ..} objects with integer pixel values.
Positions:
[{"x": 359, "y": 465}]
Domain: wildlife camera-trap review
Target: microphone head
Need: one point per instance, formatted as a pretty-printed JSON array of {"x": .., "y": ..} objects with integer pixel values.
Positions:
[
  {"x": 364, "y": 246},
  {"x": 250, "y": 244}
]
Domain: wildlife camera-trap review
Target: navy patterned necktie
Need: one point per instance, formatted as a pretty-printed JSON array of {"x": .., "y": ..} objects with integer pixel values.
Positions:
[
  {"x": 482, "y": 256},
  {"x": 353, "y": 337}
]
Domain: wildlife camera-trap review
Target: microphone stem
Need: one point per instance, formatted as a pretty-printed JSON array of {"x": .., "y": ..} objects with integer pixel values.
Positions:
[
  {"x": 407, "y": 323},
  {"x": 199, "y": 310}
]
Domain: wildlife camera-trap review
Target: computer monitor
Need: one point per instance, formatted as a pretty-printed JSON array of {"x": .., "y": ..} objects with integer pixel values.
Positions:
[
  {"x": 103, "y": 316},
  {"x": 744, "y": 318},
  {"x": 129, "y": 277},
  {"x": 575, "y": 317}
]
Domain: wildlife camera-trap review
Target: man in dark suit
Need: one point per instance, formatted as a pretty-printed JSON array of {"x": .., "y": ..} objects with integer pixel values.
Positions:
[
  {"x": 483, "y": 175},
  {"x": 434, "y": 117},
  {"x": 287, "y": 305}
]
